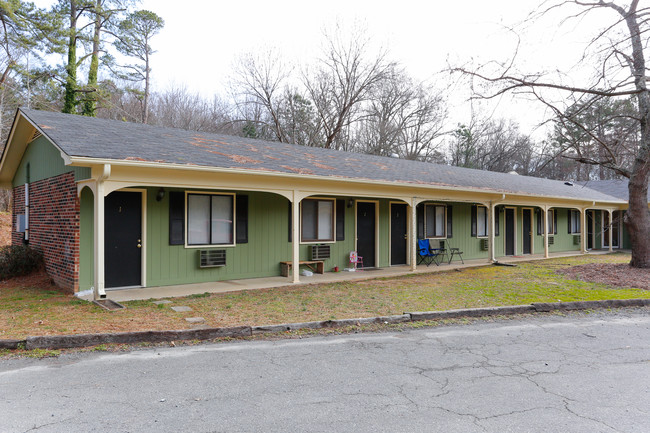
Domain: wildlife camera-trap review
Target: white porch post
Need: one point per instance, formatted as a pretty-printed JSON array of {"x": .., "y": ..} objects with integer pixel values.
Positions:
[
  {"x": 99, "y": 281},
  {"x": 295, "y": 237},
  {"x": 610, "y": 228},
  {"x": 491, "y": 255},
  {"x": 583, "y": 230},
  {"x": 413, "y": 234},
  {"x": 545, "y": 222}
]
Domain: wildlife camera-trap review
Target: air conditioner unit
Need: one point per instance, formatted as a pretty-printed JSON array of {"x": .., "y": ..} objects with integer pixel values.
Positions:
[
  {"x": 484, "y": 245},
  {"x": 551, "y": 240},
  {"x": 212, "y": 258},
  {"x": 320, "y": 252},
  {"x": 576, "y": 239}
]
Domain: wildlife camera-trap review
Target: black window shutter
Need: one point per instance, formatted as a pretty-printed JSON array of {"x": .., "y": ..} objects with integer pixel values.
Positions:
[
  {"x": 340, "y": 220},
  {"x": 450, "y": 217},
  {"x": 496, "y": 221},
  {"x": 474, "y": 221},
  {"x": 540, "y": 231},
  {"x": 242, "y": 219},
  {"x": 420, "y": 220},
  {"x": 290, "y": 226},
  {"x": 176, "y": 218},
  {"x": 555, "y": 222}
]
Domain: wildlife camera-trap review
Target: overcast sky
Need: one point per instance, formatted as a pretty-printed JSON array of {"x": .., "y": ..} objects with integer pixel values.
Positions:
[{"x": 202, "y": 38}]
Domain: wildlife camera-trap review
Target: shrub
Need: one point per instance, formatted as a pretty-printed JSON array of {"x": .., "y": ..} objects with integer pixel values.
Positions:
[{"x": 17, "y": 260}]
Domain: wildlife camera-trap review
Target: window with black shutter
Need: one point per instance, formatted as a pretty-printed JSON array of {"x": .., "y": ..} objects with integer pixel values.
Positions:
[
  {"x": 496, "y": 222},
  {"x": 340, "y": 220},
  {"x": 474, "y": 221},
  {"x": 176, "y": 218},
  {"x": 241, "y": 209},
  {"x": 449, "y": 221},
  {"x": 290, "y": 213}
]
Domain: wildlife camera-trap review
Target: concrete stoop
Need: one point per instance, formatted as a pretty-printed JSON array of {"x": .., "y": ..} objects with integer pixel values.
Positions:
[{"x": 85, "y": 340}]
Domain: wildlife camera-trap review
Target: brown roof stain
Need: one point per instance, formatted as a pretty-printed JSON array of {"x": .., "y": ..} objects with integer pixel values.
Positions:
[
  {"x": 381, "y": 166},
  {"x": 271, "y": 157},
  {"x": 297, "y": 170},
  {"x": 251, "y": 147},
  {"x": 207, "y": 148},
  {"x": 134, "y": 158},
  {"x": 243, "y": 159},
  {"x": 45, "y": 127},
  {"x": 202, "y": 139},
  {"x": 326, "y": 167}
]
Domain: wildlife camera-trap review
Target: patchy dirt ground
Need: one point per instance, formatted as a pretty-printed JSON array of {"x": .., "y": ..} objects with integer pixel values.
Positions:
[
  {"x": 5, "y": 228},
  {"x": 614, "y": 274}
]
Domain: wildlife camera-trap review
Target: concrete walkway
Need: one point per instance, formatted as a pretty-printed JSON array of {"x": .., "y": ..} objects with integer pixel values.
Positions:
[{"x": 133, "y": 294}]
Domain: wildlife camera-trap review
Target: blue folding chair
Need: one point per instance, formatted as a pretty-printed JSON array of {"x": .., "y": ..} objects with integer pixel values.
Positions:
[{"x": 426, "y": 254}]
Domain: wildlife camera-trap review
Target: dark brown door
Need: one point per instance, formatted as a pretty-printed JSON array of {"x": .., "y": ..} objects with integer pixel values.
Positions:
[
  {"x": 366, "y": 233},
  {"x": 123, "y": 239},
  {"x": 398, "y": 234},
  {"x": 510, "y": 232},
  {"x": 527, "y": 230}
]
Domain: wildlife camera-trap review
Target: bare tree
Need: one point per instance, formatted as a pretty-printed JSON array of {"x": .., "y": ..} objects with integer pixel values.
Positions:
[
  {"x": 619, "y": 60},
  {"x": 176, "y": 107},
  {"x": 342, "y": 79},
  {"x": 402, "y": 118},
  {"x": 260, "y": 80}
]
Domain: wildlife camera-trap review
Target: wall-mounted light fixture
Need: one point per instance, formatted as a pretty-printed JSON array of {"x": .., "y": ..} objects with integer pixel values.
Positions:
[
  {"x": 350, "y": 203},
  {"x": 161, "y": 194}
]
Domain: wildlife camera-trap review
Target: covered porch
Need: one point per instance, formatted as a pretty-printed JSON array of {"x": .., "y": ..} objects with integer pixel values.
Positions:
[{"x": 160, "y": 292}]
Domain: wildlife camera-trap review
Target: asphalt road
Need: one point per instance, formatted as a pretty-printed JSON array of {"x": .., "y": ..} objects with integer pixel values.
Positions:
[{"x": 574, "y": 373}]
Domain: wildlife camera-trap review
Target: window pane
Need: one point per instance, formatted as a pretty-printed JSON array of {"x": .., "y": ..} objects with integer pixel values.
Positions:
[
  {"x": 309, "y": 220},
  {"x": 325, "y": 213},
  {"x": 481, "y": 221},
  {"x": 198, "y": 219},
  {"x": 575, "y": 221},
  {"x": 221, "y": 219},
  {"x": 440, "y": 221},
  {"x": 550, "y": 222},
  {"x": 430, "y": 223}
]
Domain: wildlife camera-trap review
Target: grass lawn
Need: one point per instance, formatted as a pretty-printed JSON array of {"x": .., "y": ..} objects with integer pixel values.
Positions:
[{"x": 27, "y": 310}]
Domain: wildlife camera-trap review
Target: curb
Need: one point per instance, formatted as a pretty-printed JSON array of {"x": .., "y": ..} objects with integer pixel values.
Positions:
[{"x": 85, "y": 340}]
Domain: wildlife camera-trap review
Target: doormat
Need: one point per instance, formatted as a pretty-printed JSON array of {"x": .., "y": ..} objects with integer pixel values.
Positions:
[{"x": 109, "y": 304}]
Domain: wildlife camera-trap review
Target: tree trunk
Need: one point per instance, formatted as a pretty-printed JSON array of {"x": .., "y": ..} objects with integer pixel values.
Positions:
[
  {"x": 69, "y": 104},
  {"x": 147, "y": 70},
  {"x": 90, "y": 105},
  {"x": 637, "y": 218}
]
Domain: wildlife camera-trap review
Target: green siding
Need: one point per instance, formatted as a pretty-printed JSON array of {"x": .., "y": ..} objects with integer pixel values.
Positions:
[
  {"x": 86, "y": 238},
  {"x": 44, "y": 161},
  {"x": 563, "y": 241},
  {"x": 267, "y": 245},
  {"x": 268, "y": 241}
]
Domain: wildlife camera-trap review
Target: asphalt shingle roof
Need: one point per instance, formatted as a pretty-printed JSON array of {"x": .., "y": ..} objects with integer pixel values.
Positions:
[
  {"x": 615, "y": 187},
  {"x": 109, "y": 139}
]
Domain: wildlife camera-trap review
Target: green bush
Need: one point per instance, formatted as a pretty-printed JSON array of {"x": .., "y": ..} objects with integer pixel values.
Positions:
[{"x": 17, "y": 260}]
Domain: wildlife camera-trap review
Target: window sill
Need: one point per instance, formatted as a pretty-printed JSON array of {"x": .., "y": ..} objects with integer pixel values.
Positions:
[
  {"x": 211, "y": 246},
  {"x": 317, "y": 242}
]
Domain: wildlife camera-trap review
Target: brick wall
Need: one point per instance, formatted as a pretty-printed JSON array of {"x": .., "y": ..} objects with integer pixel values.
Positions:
[{"x": 53, "y": 226}]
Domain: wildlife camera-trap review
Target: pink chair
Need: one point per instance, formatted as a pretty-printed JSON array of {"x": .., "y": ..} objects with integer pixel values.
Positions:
[{"x": 356, "y": 259}]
